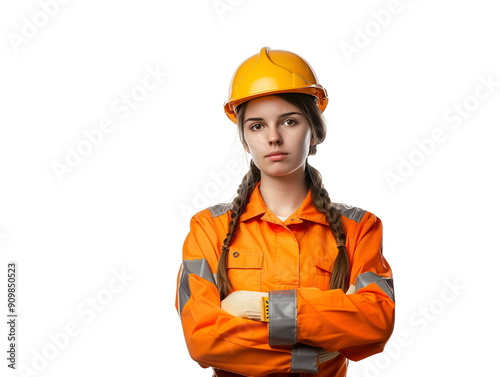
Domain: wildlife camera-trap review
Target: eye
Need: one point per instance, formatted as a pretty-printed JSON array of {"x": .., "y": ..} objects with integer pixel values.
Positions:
[
  {"x": 289, "y": 122},
  {"x": 256, "y": 127}
]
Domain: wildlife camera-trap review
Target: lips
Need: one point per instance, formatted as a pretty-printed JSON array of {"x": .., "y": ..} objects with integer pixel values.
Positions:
[{"x": 276, "y": 155}]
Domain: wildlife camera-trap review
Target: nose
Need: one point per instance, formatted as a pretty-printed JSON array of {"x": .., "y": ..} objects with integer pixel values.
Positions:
[{"x": 274, "y": 136}]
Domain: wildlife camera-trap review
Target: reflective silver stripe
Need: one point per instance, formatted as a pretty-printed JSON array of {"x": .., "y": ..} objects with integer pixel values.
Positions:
[
  {"x": 386, "y": 284},
  {"x": 220, "y": 209},
  {"x": 198, "y": 267},
  {"x": 304, "y": 359},
  {"x": 282, "y": 317},
  {"x": 352, "y": 213}
]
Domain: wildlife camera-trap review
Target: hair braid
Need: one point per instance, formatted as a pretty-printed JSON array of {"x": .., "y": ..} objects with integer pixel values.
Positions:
[
  {"x": 246, "y": 187},
  {"x": 341, "y": 269}
]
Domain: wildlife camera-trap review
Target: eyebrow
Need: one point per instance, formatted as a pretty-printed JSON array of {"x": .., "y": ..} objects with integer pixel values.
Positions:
[{"x": 284, "y": 115}]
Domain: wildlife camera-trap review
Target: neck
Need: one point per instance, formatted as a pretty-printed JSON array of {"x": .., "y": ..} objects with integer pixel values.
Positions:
[{"x": 284, "y": 194}]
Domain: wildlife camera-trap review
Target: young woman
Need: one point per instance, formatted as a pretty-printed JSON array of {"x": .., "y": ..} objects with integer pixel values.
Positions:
[{"x": 283, "y": 282}]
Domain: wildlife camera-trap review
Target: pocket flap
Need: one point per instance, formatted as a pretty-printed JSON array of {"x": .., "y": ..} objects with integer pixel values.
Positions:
[
  {"x": 324, "y": 264},
  {"x": 238, "y": 258}
]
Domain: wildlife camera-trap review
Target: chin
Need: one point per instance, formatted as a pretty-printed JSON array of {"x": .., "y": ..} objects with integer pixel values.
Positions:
[{"x": 279, "y": 172}]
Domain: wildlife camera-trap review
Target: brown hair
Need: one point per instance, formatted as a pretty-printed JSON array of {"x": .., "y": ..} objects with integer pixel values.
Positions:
[{"x": 341, "y": 270}]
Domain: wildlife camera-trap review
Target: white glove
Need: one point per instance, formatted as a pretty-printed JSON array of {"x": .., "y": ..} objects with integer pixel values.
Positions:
[
  {"x": 324, "y": 355},
  {"x": 245, "y": 304},
  {"x": 352, "y": 289}
]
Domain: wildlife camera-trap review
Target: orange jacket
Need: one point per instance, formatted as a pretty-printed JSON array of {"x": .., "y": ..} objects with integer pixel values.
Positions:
[{"x": 292, "y": 261}]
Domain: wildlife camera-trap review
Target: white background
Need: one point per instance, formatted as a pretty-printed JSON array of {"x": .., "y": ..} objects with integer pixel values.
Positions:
[{"x": 124, "y": 206}]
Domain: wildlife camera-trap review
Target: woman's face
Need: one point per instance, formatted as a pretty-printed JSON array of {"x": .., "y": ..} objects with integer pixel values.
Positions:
[{"x": 277, "y": 135}]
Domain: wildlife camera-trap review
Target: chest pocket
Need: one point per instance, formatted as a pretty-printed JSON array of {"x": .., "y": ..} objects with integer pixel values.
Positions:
[
  {"x": 244, "y": 268},
  {"x": 323, "y": 270}
]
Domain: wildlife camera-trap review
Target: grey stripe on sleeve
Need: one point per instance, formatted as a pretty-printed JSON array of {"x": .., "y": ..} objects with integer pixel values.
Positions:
[
  {"x": 282, "y": 317},
  {"x": 352, "y": 213},
  {"x": 304, "y": 359},
  {"x": 200, "y": 268},
  {"x": 386, "y": 284}
]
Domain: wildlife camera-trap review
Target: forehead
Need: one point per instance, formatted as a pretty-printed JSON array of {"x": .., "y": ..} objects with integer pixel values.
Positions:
[{"x": 269, "y": 106}]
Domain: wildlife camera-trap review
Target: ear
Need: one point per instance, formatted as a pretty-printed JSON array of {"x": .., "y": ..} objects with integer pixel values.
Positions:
[{"x": 312, "y": 147}]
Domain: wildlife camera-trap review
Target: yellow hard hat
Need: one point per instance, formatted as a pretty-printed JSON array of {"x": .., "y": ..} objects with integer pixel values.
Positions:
[{"x": 270, "y": 72}]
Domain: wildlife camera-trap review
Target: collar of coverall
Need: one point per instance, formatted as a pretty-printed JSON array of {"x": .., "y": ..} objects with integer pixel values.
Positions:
[{"x": 306, "y": 211}]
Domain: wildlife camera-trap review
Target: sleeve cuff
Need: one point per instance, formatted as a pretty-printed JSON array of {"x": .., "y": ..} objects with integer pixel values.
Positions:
[
  {"x": 304, "y": 359},
  {"x": 282, "y": 317}
]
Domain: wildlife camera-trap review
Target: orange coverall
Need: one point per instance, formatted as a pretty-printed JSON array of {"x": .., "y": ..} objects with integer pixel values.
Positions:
[{"x": 292, "y": 261}]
